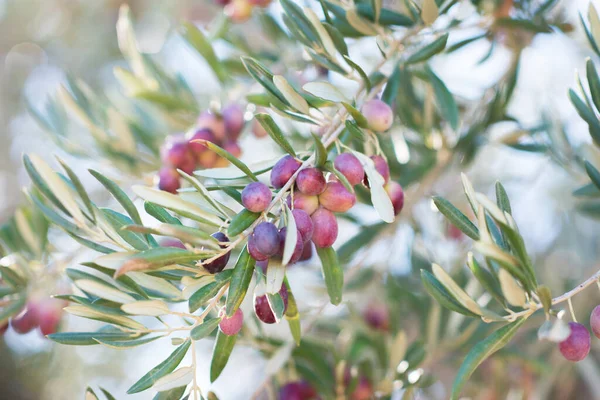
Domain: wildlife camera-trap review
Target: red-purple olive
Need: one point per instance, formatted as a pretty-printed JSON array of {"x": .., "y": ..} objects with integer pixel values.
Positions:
[
  {"x": 49, "y": 314},
  {"x": 198, "y": 148},
  {"x": 378, "y": 114},
  {"x": 260, "y": 3},
  {"x": 310, "y": 181},
  {"x": 177, "y": 154},
  {"x": 382, "y": 167},
  {"x": 325, "y": 228},
  {"x": 595, "y": 321},
  {"x": 394, "y": 190},
  {"x": 307, "y": 252},
  {"x": 168, "y": 180},
  {"x": 232, "y": 325},
  {"x": 336, "y": 197},
  {"x": 577, "y": 346},
  {"x": 304, "y": 202},
  {"x": 238, "y": 10},
  {"x": 258, "y": 130},
  {"x": 233, "y": 117},
  {"x": 377, "y": 316},
  {"x": 256, "y": 197},
  {"x": 215, "y": 123},
  {"x": 3, "y": 328},
  {"x": 303, "y": 223},
  {"x": 297, "y": 391},
  {"x": 266, "y": 238},
  {"x": 233, "y": 147},
  {"x": 263, "y": 309},
  {"x": 297, "y": 249},
  {"x": 363, "y": 389},
  {"x": 350, "y": 167},
  {"x": 220, "y": 263},
  {"x": 283, "y": 170},
  {"x": 27, "y": 320},
  {"x": 171, "y": 242}
]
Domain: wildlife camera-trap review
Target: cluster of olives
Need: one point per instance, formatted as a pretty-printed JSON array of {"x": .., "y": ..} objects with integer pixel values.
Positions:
[
  {"x": 241, "y": 10},
  {"x": 577, "y": 345},
  {"x": 45, "y": 315},
  {"x": 302, "y": 390},
  {"x": 180, "y": 151}
]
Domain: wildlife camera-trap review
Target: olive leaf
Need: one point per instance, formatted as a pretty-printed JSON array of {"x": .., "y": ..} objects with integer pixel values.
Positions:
[{"x": 481, "y": 351}]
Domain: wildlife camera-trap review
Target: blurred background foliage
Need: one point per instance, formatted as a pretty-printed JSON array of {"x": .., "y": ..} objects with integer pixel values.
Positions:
[{"x": 42, "y": 40}]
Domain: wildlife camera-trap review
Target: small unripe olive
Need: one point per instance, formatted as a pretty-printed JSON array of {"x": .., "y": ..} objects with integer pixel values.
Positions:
[
  {"x": 232, "y": 325},
  {"x": 378, "y": 114}
]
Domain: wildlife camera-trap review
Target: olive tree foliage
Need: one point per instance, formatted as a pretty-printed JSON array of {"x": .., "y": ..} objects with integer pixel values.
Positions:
[{"x": 133, "y": 284}]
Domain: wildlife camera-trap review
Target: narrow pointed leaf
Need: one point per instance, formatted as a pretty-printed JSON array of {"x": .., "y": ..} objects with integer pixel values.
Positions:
[
  {"x": 240, "y": 280},
  {"x": 276, "y": 134},
  {"x": 162, "y": 369},
  {"x": 221, "y": 352},
  {"x": 481, "y": 352},
  {"x": 332, "y": 273},
  {"x": 456, "y": 217}
]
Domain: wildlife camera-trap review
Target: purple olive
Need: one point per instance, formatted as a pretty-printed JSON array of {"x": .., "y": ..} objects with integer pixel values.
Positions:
[
  {"x": 266, "y": 238},
  {"x": 220, "y": 263},
  {"x": 350, "y": 167},
  {"x": 325, "y": 228},
  {"x": 231, "y": 326},
  {"x": 263, "y": 265},
  {"x": 253, "y": 251},
  {"x": 378, "y": 114},
  {"x": 311, "y": 181},
  {"x": 297, "y": 249},
  {"x": 336, "y": 197},
  {"x": 577, "y": 346},
  {"x": 256, "y": 197},
  {"x": 307, "y": 253},
  {"x": 263, "y": 309},
  {"x": 283, "y": 170}
]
